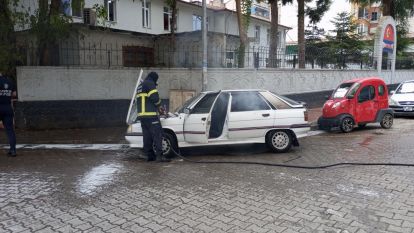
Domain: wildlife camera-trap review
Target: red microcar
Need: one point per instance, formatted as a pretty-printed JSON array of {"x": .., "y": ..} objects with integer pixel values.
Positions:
[{"x": 355, "y": 103}]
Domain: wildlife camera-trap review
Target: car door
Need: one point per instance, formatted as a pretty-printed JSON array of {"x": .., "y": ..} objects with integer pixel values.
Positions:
[
  {"x": 250, "y": 116},
  {"x": 197, "y": 122},
  {"x": 367, "y": 104}
]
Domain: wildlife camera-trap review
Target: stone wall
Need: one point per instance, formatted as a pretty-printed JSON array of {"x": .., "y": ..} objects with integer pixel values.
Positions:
[{"x": 59, "y": 97}]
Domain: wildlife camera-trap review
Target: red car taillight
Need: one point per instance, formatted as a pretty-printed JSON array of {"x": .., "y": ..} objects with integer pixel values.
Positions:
[{"x": 305, "y": 115}]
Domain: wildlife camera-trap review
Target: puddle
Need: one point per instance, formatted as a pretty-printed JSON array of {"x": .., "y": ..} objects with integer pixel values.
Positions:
[{"x": 96, "y": 178}]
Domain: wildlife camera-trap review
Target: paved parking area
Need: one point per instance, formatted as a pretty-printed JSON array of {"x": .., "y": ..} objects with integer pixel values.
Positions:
[{"x": 115, "y": 191}]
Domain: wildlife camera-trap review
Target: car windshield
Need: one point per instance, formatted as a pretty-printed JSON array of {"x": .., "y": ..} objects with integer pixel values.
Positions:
[
  {"x": 186, "y": 104},
  {"x": 406, "y": 88},
  {"x": 341, "y": 91}
]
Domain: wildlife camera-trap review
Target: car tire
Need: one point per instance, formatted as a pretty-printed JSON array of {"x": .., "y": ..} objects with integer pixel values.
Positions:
[
  {"x": 347, "y": 125},
  {"x": 387, "y": 121},
  {"x": 279, "y": 141},
  {"x": 169, "y": 145}
]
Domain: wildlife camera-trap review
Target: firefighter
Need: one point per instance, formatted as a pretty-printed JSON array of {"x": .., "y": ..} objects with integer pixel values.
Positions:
[
  {"x": 149, "y": 106},
  {"x": 7, "y": 91}
]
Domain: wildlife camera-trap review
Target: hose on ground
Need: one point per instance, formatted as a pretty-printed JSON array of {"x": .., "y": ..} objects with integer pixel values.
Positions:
[{"x": 291, "y": 166}]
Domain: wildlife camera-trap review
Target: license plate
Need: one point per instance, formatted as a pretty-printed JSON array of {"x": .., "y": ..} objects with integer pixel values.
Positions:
[{"x": 408, "y": 109}]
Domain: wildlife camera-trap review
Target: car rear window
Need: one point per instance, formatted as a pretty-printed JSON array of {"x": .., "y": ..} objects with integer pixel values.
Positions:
[{"x": 277, "y": 101}]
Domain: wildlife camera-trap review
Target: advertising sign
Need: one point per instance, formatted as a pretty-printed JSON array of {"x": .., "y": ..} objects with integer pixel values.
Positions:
[{"x": 388, "y": 41}]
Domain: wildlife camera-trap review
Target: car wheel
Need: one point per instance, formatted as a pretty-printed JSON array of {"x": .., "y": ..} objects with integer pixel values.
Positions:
[
  {"x": 361, "y": 126},
  {"x": 387, "y": 121},
  {"x": 169, "y": 145},
  {"x": 347, "y": 125},
  {"x": 279, "y": 141}
]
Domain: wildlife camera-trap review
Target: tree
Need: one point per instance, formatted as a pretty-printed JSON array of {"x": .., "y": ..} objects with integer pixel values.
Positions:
[
  {"x": 315, "y": 14},
  {"x": 345, "y": 41},
  {"x": 173, "y": 5},
  {"x": 315, "y": 50},
  {"x": 274, "y": 27},
  {"x": 9, "y": 18},
  {"x": 274, "y": 30},
  {"x": 243, "y": 8},
  {"x": 49, "y": 27}
]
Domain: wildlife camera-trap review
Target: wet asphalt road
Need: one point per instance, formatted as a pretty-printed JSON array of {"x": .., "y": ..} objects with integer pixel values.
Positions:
[{"x": 115, "y": 191}]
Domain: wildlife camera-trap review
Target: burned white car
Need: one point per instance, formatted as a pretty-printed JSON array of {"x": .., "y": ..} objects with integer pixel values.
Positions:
[{"x": 230, "y": 117}]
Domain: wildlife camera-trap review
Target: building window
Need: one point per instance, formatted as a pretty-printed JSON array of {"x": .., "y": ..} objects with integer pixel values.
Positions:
[
  {"x": 374, "y": 16},
  {"x": 279, "y": 39},
  {"x": 268, "y": 36},
  {"x": 110, "y": 6},
  {"x": 197, "y": 22},
  {"x": 146, "y": 14},
  {"x": 137, "y": 56},
  {"x": 362, "y": 29},
  {"x": 257, "y": 34},
  {"x": 167, "y": 19},
  {"x": 362, "y": 13},
  {"x": 77, "y": 8}
]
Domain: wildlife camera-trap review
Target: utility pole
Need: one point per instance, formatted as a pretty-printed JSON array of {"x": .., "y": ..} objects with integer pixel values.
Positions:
[{"x": 204, "y": 35}]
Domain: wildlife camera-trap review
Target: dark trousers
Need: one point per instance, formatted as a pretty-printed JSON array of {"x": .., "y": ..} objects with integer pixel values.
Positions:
[
  {"x": 6, "y": 116},
  {"x": 152, "y": 133}
]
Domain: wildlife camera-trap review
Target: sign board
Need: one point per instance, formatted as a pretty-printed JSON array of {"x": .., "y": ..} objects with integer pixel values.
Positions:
[
  {"x": 386, "y": 45},
  {"x": 388, "y": 41}
]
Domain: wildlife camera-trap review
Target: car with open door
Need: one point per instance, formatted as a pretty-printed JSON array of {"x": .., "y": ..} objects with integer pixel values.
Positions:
[
  {"x": 229, "y": 117},
  {"x": 402, "y": 99},
  {"x": 356, "y": 103}
]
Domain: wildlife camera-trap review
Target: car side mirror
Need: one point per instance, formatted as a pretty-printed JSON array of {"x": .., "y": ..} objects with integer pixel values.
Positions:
[
  {"x": 187, "y": 111},
  {"x": 326, "y": 97},
  {"x": 350, "y": 97},
  {"x": 392, "y": 92}
]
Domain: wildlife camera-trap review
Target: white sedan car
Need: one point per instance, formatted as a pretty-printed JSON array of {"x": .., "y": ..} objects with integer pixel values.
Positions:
[
  {"x": 230, "y": 117},
  {"x": 402, "y": 99}
]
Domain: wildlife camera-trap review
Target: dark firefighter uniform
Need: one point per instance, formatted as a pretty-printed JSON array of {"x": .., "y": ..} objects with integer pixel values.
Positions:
[
  {"x": 7, "y": 90},
  {"x": 148, "y": 102}
]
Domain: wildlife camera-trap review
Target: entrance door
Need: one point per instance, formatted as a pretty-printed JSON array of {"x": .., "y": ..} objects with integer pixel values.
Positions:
[
  {"x": 197, "y": 121},
  {"x": 366, "y": 108}
]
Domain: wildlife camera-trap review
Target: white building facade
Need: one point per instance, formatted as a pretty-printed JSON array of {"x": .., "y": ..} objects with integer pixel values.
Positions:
[{"x": 148, "y": 18}]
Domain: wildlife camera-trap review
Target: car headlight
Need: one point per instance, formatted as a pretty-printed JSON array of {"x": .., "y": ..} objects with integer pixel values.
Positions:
[
  {"x": 392, "y": 102},
  {"x": 336, "y": 105},
  {"x": 129, "y": 130}
]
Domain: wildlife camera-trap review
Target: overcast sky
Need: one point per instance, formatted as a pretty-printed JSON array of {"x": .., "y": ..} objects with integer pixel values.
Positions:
[{"x": 288, "y": 17}]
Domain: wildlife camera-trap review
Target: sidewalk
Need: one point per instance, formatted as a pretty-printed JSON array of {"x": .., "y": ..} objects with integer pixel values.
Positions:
[{"x": 111, "y": 135}]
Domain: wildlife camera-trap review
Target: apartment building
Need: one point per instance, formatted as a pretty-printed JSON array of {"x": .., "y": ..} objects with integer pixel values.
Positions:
[
  {"x": 143, "y": 26},
  {"x": 367, "y": 20}
]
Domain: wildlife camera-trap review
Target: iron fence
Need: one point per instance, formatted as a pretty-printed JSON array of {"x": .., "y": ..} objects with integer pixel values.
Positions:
[{"x": 190, "y": 56}]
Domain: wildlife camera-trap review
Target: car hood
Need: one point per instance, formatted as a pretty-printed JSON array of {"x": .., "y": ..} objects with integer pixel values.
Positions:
[{"x": 403, "y": 97}]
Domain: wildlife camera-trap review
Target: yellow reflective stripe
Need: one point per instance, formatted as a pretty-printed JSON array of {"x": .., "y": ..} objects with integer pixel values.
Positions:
[
  {"x": 143, "y": 96},
  {"x": 142, "y": 104},
  {"x": 152, "y": 92},
  {"x": 147, "y": 114},
  {"x": 159, "y": 102}
]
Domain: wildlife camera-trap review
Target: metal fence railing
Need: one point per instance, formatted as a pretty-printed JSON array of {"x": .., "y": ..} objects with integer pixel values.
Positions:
[{"x": 190, "y": 56}]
